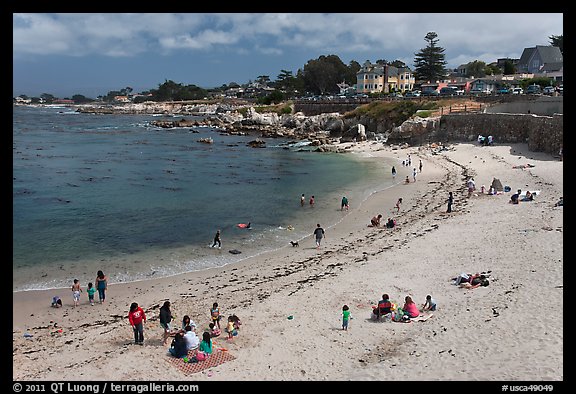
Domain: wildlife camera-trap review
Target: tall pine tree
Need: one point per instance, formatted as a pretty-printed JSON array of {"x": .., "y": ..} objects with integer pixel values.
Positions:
[{"x": 429, "y": 63}]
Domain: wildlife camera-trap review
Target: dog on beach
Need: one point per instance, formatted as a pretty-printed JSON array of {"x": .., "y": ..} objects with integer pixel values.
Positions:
[{"x": 294, "y": 243}]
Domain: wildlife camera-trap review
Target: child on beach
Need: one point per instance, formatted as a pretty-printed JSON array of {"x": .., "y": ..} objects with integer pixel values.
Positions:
[
  {"x": 185, "y": 321},
  {"x": 376, "y": 221},
  {"x": 230, "y": 328},
  {"x": 206, "y": 344},
  {"x": 410, "y": 307},
  {"x": 91, "y": 290},
  {"x": 430, "y": 304},
  {"x": 407, "y": 179},
  {"x": 398, "y": 203},
  {"x": 214, "y": 331},
  {"x": 345, "y": 317},
  {"x": 76, "y": 290},
  {"x": 56, "y": 302},
  {"x": 215, "y": 314}
]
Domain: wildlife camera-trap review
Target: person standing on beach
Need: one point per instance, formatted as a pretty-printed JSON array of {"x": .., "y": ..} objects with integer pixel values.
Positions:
[
  {"x": 319, "y": 234},
  {"x": 302, "y": 200},
  {"x": 398, "y": 203},
  {"x": 137, "y": 318},
  {"x": 76, "y": 290},
  {"x": 217, "y": 240},
  {"x": 215, "y": 314},
  {"x": 344, "y": 204},
  {"x": 312, "y": 201},
  {"x": 101, "y": 286},
  {"x": 165, "y": 319},
  {"x": 393, "y": 172},
  {"x": 420, "y": 165},
  {"x": 91, "y": 291},
  {"x": 450, "y": 202},
  {"x": 345, "y": 317},
  {"x": 414, "y": 174},
  {"x": 471, "y": 187}
]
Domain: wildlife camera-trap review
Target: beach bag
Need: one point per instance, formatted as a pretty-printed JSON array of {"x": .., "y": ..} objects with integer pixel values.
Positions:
[{"x": 201, "y": 356}]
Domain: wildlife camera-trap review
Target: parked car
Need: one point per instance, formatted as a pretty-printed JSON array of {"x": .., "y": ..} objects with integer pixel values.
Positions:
[
  {"x": 413, "y": 93},
  {"x": 549, "y": 90},
  {"x": 503, "y": 91},
  {"x": 448, "y": 91},
  {"x": 534, "y": 89},
  {"x": 517, "y": 91},
  {"x": 478, "y": 91},
  {"x": 430, "y": 93}
]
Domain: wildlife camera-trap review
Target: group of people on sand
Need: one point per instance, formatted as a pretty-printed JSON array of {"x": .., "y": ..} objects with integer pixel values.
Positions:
[
  {"x": 101, "y": 285},
  {"x": 376, "y": 222},
  {"x": 471, "y": 281},
  {"x": 388, "y": 310},
  {"x": 186, "y": 339}
]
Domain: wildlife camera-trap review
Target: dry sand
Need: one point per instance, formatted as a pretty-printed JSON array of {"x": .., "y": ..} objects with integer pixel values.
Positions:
[{"x": 511, "y": 330}]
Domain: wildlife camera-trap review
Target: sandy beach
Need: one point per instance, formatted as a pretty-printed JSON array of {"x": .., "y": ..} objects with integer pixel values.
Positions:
[{"x": 510, "y": 330}]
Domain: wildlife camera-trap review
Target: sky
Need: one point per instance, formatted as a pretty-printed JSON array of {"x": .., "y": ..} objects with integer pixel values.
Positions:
[{"x": 93, "y": 53}]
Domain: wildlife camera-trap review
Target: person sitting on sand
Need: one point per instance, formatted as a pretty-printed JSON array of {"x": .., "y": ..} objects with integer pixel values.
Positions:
[
  {"x": 410, "y": 308},
  {"x": 515, "y": 197},
  {"x": 178, "y": 347},
  {"x": 390, "y": 223},
  {"x": 214, "y": 330},
  {"x": 384, "y": 307},
  {"x": 376, "y": 221},
  {"x": 430, "y": 304}
]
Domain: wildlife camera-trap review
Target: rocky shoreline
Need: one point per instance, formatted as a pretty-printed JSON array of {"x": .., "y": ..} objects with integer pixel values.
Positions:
[{"x": 325, "y": 131}]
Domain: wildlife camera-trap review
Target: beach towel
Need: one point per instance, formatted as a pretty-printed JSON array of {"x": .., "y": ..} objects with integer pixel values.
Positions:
[
  {"x": 423, "y": 317},
  {"x": 216, "y": 358}
]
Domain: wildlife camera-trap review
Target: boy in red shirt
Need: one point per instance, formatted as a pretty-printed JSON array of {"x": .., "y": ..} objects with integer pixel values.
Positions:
[{"x": 137, "y": 318}]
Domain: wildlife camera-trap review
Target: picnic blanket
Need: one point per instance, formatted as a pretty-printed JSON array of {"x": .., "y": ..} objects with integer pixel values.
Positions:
[{"x": 216, "y": 358}]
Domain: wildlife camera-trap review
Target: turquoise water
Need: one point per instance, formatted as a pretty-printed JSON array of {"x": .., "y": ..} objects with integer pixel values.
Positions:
[{"x": 111, "y": 192}]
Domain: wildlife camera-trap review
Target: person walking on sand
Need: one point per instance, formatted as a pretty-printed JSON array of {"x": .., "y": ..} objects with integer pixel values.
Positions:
[
  {"x": 319, "y": 234},
  {"x": 91, "y": 291},
  {"x": 165, "y": 319},
  {"x": 414, "y": 174},
  {"x": 345, "y": 317},
  {"x": 393, "y": 172},
  {"x": 398, "y": 203},
  {"x": 101, "y": 285},
  {"x": 420, "y": 165},
  {"x": 215, "y": 314},
  {"x": 76, "y": 290},
  {"x": 450, "y": 202},
  {"x": 137, "y": 318},
  {"x": 217, "y": 240}
]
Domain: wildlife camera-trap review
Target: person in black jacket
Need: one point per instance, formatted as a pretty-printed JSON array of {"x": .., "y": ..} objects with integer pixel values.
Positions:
[
  {"x": 178, "y": 348},
  {"x": 165, "y": 319}
]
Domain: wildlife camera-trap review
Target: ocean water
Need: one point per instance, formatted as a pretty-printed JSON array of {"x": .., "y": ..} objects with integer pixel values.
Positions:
[{"x": 112, "y": 193}]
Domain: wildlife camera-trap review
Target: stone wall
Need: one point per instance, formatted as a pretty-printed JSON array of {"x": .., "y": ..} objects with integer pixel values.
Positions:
[{"x": 542, "y": 133}]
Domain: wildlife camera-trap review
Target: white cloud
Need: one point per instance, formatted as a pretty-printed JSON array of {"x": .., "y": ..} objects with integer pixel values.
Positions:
[{"x": 388, "y": 36}]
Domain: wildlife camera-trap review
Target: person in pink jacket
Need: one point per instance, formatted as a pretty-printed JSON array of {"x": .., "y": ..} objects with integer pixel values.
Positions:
[{"x": 410, "y": 308}]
